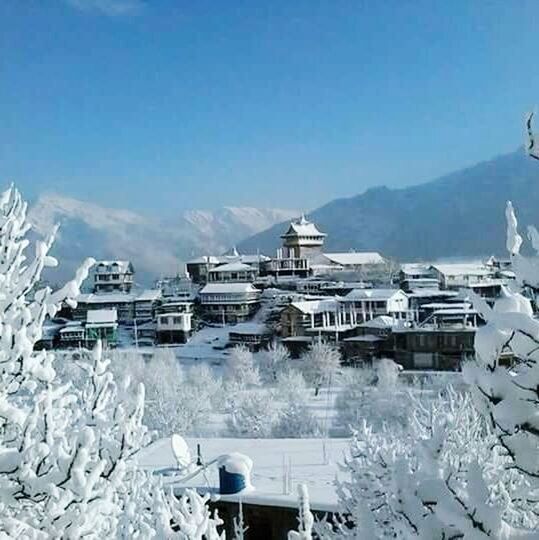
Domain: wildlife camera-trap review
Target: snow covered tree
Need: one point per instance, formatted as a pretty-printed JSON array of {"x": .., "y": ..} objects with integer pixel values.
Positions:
[
  {"x": 253, "y": 416},
  {"x": 240, "y": 367},
  {"x": 320, "y": 363},
  {"x": 66, "y": 453},
  {"x": 296, "y": 421},
  {"x": 305, "y": 518},
  {"x": 273, "y": 361},
  {"x": 438, "y": 478},
  {"x": 291, "y": 386}
]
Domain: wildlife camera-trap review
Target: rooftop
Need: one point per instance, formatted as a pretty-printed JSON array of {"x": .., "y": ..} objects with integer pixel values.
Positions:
[
  {"x": 302, "y": 227},
  {"x": 461, "y": 269},
  {"x": 225, "y": 288},
  {"x": 355, "y": 258},
  {"x": 250, "y": 329},
  {"x": 101, "y": 316},
  {"x": 103, "y": 298},
  {"x": 306, "y": 457},
  {"x": 372, "y": 294},
  {"x": 116, "y": 266},
  {"x": 233, "y": 267},
  {"x": 148, "y": 295},
  {"x": 316, "y": 306}
]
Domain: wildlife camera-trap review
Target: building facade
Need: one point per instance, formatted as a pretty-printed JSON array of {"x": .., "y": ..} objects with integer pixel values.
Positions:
[
  {"x": 112, "y": 276},
  {"x": 229, "y": 302}
]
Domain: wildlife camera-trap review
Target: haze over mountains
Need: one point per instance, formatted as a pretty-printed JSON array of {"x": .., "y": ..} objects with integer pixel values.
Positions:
[
  {"x": 461, "y": 214},
  {"x": 155, "y": 246}
]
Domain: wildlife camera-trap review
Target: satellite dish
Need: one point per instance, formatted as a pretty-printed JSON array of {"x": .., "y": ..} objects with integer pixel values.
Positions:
[{"x": 180, "y": 450}]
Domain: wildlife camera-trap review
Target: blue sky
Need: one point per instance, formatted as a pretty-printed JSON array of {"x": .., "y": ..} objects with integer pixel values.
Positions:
[{"x": 172, "y": 104}]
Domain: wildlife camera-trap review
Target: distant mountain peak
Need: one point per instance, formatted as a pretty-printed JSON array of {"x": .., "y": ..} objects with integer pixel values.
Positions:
[{"x": 156, "y": 247}]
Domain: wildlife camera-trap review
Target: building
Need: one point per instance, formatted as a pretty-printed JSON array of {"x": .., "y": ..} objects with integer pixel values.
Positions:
[
  {"x": 352, "y": 262},
  {"x": 270, "y": 510},
  {"x": 322, "y": 317},
  {"x": 254, "y": 336},
  {"x": 180, "y": 286},
  {"x": 145, "y": 305},
  {"x": 174, "y": 320},
  {"x": 458, "y": 275},
  {"x": 73, "y": 335},
  {"x": 200, "y": 267},
  {"x": 229, "y": 302},
  {"x": 374, "y": 340},
  {"x": 101, "y": 324},
  {"x": 441, "y": 342},
  {"x": 301, "y": 242},
  {"x": 366, "y": 304},
  {"x": 236, "y": 272},
  {"x": 122, "y": 303},
  {"x": 302, "y": 239},
  {"x": 112, "y": 276},
  {"x": 417, "y": 276}
]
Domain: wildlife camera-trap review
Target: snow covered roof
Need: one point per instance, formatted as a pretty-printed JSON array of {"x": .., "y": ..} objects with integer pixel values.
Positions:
[
  {"x": 72, "y": 328},
  {"x": 306, "y": 456},
  {"x": 463, "y": 269},
  {"x": 225, "y": 259},
  {"x": 101, "y": 316},
  {"x": 233, "y": 267},
  {"x": 250, "y": 328},
  {"x": 316, "y": 306},
  {"x": 204, "y": 259},
  {"x": 455, "y": 311},
  {"x": 416, "y": 269},
  {"x": 355, "y": 258},
  {"x": 428, "y": 293},
  {"x": 104, "y": 298},
  {"x": 383, "y": 321},
  {"x": 148, "y": 295},
  {"x": 225, "y": 288},
  {"x": 366, "y": 339},
  {"x": 446, "y": 305},
  {"x": 302, "y": 227},
  {"x": 116, "y": 266},
  {"x": 372, "y": 294}
]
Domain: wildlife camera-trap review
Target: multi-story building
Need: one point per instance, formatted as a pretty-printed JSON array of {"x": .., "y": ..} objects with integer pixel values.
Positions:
[
  {"x": 145, "y": 305},
  {"x": 417, "y": 276},
  {"x": 123, "y": 303},
  {"x": 112, "y": 276},
  {"x": 229, "y": 302},
  {"x": 174, "y": 322},
  {"x": 366, "y": 304},
  {"x": 236, "y": 272},
  {"x": 301, "y": 242},
  {"x": 200, "y": 268}
]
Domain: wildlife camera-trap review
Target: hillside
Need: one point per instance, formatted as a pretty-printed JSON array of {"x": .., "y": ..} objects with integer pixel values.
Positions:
[{"x": 461, "y": 214}]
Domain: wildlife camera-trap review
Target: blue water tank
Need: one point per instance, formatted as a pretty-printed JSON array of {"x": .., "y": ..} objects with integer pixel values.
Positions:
[{"x": 229, "y": 482}]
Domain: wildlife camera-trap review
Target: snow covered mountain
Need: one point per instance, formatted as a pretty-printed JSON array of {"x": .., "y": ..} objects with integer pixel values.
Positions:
[
  {"x": 461, "y": 214},
  {"x": 156, "y": 246}
]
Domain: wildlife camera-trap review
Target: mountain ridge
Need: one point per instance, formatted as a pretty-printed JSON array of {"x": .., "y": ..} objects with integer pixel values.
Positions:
[
  {"x": 155, "y": 246},
  {"x": 458, "y": 214}
]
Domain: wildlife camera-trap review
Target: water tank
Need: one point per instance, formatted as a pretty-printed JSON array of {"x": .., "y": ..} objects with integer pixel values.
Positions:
[{"x": 234, "y": 473}]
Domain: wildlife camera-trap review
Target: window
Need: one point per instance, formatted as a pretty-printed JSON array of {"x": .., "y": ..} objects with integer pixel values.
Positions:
[
  {"x": 177, "y": 320},
  {"x": 164, "y": 320}
]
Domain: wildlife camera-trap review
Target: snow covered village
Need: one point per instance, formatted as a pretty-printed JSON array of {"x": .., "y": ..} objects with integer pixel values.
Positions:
[{"x": 234, "y": 305}]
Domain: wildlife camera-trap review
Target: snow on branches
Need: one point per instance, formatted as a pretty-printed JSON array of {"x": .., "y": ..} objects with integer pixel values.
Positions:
[{"x": 66, "y": 453}]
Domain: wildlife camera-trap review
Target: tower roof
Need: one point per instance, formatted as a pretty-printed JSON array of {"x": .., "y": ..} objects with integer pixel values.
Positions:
[{"x": 302, "y": 227}]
